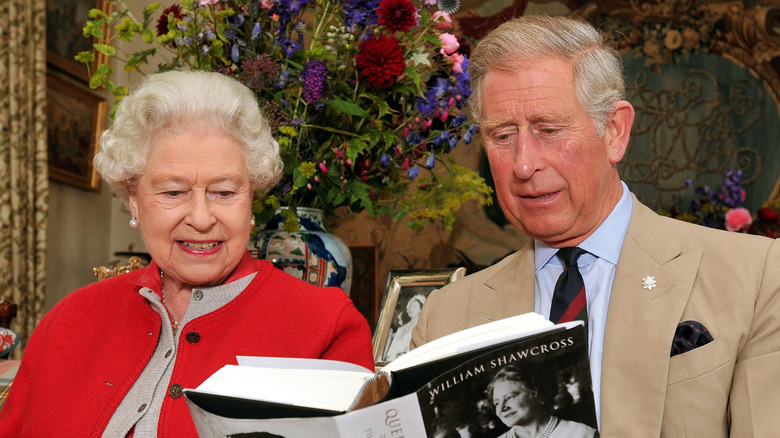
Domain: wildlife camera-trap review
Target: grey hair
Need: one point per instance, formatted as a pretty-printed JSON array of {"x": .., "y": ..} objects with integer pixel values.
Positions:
[
  {"x": 598, "y": 70},
  {"x": 177, "y": 101}
]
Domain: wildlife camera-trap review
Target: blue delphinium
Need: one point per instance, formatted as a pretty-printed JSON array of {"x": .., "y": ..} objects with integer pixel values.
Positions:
[
  {"x": 731, "y": 191},
  {"x": 430, "y": 162},
  {"x": 467, "y": 137},
  {"x": 360, "y": 13}
]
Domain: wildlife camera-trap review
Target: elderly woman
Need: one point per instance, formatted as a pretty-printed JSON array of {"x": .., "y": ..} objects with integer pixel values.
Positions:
[
  {"x": 517, "y": 398},
  {"x": 186, "y": 152}
]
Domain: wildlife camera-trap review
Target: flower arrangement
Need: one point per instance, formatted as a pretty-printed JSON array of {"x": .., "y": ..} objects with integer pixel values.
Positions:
[
  {"x": 723, "y": 209},
  {"x": 365, "y": 97},
  {"x": 662, "y": 43}
]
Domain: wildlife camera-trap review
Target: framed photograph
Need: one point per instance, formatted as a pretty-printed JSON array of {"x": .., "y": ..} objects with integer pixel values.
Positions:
[
  {"x": 76, "y": 116},
  {"x": 404, "y": 296},
  {"x": 65, "y": 20}
]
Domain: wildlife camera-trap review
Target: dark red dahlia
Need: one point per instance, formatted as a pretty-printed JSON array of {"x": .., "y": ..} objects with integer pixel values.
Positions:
[
  {"x": 380, "y": 61},
  {"x": 397, "y": 15},
  {"x": 162, "y": 22},
  {"x": 767, "y": 214}
]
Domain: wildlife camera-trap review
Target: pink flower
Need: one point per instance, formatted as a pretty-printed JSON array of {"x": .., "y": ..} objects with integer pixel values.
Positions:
[
  {"x": 442, "y": 20},
  {"x": 738, "y": 219},
  {"x": 267, "y": 4},
  {"x": 208, "y": 2},
  {"x": 449, "y": 43},
  {"x": 457, "y": 62}
]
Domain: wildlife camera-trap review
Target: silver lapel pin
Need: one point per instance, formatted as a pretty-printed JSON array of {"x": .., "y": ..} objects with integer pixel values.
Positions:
[{"x": 648, "y": 282}]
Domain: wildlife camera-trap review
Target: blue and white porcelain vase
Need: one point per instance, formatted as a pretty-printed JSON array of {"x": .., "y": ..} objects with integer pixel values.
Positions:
[{"x": 311, "y": 253}]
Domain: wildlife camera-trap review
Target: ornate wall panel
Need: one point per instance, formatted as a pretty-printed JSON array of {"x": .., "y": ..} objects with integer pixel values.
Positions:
[{"x": 703, "y": 77}]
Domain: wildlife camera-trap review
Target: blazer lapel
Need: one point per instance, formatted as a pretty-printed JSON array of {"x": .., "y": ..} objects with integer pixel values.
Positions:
[
  {"x": 510, "y": 291},
  {"x": 640, "y": 325}
]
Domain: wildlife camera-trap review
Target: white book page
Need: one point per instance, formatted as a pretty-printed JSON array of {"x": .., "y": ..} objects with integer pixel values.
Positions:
[
  {"x": 502, "y": 330},
  {"x": 323, "y": 389},
  {"x": 299, "y": 363}
]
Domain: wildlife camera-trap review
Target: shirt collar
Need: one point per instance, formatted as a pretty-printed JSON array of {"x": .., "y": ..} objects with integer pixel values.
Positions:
[
  {"x": 605, "y": 243},
  {"x": 151, "y": 276}
]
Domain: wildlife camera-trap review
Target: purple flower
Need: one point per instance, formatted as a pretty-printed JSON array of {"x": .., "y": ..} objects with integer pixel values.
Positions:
[
  {"x": 426, "y": 106},
  {"x": 459, "y": 120},
  {"x": 360, "y": 13},
  {"x": 413, "y": 139},
  {"x": 281, "y": 81},
  {"x": 234, "y": 53},
  {"x": 469, "y": 133},
  {"x": 441, "y": 139},
  {"x": 731, "y": 190},
  {"x": 255, "y": 31},
  {"x": 236, "y": 20},
  {"x": 430, "y": 162},
  {"x": 384, "y": 160},
  {"x": 313, "y": 78},
  {"x": 413, "y": 172}
]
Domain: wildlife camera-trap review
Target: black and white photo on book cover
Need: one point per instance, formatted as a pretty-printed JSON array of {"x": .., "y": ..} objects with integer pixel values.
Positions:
[{"x": 534, "y": 390}]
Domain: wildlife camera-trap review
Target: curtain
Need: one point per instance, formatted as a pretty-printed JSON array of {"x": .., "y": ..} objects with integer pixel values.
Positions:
[{"x": 24, "y": 182}]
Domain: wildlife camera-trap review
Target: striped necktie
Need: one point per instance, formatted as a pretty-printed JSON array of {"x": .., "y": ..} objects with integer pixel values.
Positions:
[{"x": 569, "y": 300}]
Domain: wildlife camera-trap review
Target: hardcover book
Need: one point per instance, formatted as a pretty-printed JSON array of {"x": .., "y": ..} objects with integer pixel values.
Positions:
[{"x": 480, "y": 382}]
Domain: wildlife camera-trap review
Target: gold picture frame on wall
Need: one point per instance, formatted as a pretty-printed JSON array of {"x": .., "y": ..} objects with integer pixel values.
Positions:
[
  {"x": 403, "y": 298},
  {"x": 75, "y": 118},
  {"x": 65, "y": 20}
]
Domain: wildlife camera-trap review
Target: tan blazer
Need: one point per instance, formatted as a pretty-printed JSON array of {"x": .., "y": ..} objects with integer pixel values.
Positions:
[{"x": 727, "y": 281}]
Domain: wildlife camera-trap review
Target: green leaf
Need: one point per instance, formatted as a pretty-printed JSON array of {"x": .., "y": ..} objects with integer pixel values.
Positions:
[
  {"x": 148, "y": 36},
  {"x": 354, "y": 147},
  {"x": 299, "y": 179},
  {"x": 384, "y": 109},
  {"x": 105, "y": 49},
  {"x": 420, "y": 57},
  {"x": 347, "y": 107},
  {"x": 87, "y": 57},
  {"x": 413, "y": 74},
  {"x": 360, "y": 191},
  {"x": 151, "y": 8},
  {"x": 96, "y": 80}
]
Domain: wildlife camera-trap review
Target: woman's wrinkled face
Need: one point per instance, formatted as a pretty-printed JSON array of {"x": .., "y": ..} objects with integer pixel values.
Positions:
[
  {"x": 194, "y": 204},
  {"x": 515, "y": 406}
]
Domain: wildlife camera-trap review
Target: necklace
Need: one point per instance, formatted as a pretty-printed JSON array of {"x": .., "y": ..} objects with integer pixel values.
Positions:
[
  {"x": 175, "y": 324},
  {"x": 551, "y": 424}
]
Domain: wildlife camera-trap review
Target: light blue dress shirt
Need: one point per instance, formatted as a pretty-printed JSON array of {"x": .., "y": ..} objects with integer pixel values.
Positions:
[{"x": 598, "y": 271}]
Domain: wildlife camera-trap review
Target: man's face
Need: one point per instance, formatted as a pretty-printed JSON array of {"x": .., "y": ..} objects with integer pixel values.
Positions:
[{"x": 555, "y": 178}]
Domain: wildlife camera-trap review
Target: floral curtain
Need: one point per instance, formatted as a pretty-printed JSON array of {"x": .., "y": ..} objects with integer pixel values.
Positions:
[{"x": 24, "y": 183}]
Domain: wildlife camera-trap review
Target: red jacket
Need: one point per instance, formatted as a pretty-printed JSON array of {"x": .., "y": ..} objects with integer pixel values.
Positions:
[{"x": 86, "y": 353}]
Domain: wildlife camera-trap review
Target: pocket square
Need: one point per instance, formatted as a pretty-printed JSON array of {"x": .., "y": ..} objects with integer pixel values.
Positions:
[{"x": 689, "y": 335}]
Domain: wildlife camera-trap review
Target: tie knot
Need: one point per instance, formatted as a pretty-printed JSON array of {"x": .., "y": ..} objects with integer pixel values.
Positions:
[{"x": 570, "y": 255}]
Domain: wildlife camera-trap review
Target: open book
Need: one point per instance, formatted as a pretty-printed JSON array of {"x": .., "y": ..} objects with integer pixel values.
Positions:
[{"x": 435, "y": 388}]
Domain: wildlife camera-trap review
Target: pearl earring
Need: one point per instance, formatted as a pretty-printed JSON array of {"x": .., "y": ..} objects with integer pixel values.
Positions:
[
  {"x": 252, "y": 220},
  {"x": 133, "y": 222}
]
